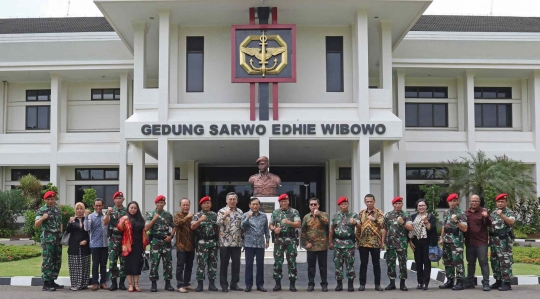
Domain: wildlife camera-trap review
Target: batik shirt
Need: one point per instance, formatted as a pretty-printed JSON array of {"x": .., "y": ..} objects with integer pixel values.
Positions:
[
  {"x": 369, "y": 235},
  {"x": 256, "y": 230},
  {"x": 207, "y": 232},
  {"x": 230, "y": 228},
  {"x": 314, "y": 232},
  {"x": 98, "y": 231},
  {"x": 184, "y": 235},
  {"x": 51, "y": 227},
  {"x": 162, "y": 226},
  {"x": 396, "y": 234},
  {"x": 449, "y": 224},
  {"x": 343, "y": 229}
]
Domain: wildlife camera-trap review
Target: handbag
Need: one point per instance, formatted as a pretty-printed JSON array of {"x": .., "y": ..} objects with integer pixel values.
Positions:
[
  {"x": 435, "y": 253},
  {"x": 145, "y": 264},
  {"x": 65, "y": 239}
]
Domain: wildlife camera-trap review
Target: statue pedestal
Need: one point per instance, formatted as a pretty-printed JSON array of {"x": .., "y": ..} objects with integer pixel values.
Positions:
[{"x": 268, "y": 205}]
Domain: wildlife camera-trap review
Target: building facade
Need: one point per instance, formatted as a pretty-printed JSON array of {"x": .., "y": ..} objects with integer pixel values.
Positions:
[{"x": 143, "y": 101}]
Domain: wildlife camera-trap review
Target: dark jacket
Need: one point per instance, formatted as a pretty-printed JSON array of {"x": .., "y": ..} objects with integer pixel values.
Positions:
[
  {"x": 431, "y": 233},
  {"x": 78, "y": 234}
]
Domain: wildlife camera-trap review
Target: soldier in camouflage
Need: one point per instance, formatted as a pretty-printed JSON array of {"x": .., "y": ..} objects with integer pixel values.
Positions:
[
  {"x": 204, "y": 224},
  {"x": 397, "y": 223},
  {"x": 501, "y": 240},
  {"x": 283, "y": 223},
  {"x": 454, "y": 225},
  {"x": 49, "y": 219},
  {"x": 160, "y": 224},
  {"x": 115, "y": 241},
  {"x": 342, "y": 240}
]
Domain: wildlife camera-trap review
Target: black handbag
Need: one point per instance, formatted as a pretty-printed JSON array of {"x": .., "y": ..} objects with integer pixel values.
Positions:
[{"x": 145, "y": 264}]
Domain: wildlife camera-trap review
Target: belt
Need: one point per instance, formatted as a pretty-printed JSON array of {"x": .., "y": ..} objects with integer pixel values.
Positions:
[
  {"x": 352, "y": 238},
  {"x": 208, "y": 238},
  {"x": 286, "y": 235}
]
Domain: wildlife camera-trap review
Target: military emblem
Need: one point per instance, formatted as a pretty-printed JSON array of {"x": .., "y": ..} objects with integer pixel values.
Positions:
[{"x": 263, "y": 55}]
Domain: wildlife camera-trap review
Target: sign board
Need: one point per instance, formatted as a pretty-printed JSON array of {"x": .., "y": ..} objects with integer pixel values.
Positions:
[{"x": 268, "y": 207}]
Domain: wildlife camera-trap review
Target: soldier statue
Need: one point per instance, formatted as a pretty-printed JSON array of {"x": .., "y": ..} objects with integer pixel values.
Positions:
[{"x": 264, "y": 183}]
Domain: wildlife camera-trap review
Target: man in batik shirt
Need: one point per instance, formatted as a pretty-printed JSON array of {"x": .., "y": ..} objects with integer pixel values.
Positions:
[{"x": 315, "y": 241}]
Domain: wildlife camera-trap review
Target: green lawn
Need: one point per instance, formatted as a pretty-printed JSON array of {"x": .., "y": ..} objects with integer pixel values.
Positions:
[
  {"x": 517, "y": 268},
  {"x": 32, "y": 266}
]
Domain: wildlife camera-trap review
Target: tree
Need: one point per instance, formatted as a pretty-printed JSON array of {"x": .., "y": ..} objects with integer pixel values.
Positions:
[
  {"x": 478, "y": 173},
  {"x": 12, "y": 204},
  {"x": 31, "y": 190},
  {"x": 89, "y": 197},
  {"x": 433, "y": 198}
]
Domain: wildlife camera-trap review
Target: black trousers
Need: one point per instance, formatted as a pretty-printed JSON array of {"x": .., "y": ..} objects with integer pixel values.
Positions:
[
  {"x": 421, "y": 258},
  {"x": 375, "y": 260},
  {"x": 480, "y": 253},
  {"x": 184, "y": 266},
  {"x": 226, "y": 254},
  {"x": 312, "y": 257},
  {"x": 100, "y": 256},
  {"x": 252, "y": 253}
]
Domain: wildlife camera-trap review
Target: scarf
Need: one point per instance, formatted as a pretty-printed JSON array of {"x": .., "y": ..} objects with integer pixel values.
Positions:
[
  {"x": 127, "y": 238},
  {"x": 419, "y": 228}
]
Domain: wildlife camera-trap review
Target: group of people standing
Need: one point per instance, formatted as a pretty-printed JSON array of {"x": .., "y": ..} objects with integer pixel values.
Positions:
[{"x": 122, "y": 234}]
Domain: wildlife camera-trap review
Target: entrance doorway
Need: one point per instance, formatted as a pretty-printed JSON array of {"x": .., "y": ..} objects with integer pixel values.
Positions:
[{"x": 300, "y": 182}]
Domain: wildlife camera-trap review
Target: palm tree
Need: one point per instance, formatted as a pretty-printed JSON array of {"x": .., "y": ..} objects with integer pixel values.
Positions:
[{"x": 477, "y": 173}]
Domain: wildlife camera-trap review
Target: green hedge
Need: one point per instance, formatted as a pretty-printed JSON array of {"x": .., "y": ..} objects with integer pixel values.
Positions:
[
  {"x": 528, "y": 255},
  {"x": 14, "y": 253}
]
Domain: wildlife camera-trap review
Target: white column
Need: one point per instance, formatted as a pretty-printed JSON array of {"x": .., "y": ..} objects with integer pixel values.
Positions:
[
  {"x": 174, "y": 65},
  {"x": 362, "y": 64},
  {"x": 387, "y": 175},
  {"x": 3, "y": 106},
  {"x": 461, "y": 104},
  {"x": 468, "y": 81},
  {"x": 55, "y": 125},
  {"x": 332, "y": 187},
  {"x": 122, "y": 161},
  {"x": 355, "y": 178},
  {"x": 524, "y": 106},
  {"x": 138, "y": 174},
  {"x": 166, "y": 171},
  {"x": 264, "y": 149},
  {"x": 139, "y": 59},
  {"x": 534, "y": 82},
  {"x": 402, "y": 146},
  {"x": 363, "y": 163},
  {"x": 164, "y": 64},
  {"x": 192, "y": 185},
  {"x": 385, "y": 56}
]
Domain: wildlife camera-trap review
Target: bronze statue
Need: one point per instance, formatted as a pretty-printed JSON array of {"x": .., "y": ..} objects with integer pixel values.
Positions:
[{"x": 264, "y": 183}]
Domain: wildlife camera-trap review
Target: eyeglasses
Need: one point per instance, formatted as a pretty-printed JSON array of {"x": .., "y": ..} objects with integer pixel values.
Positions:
[
  {"x": 313, "y": 204},
  {"x": 421, "y": 206}
]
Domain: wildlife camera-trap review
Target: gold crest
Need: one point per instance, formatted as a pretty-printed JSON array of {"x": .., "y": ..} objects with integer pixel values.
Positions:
[{"x": 263, "y": 54}]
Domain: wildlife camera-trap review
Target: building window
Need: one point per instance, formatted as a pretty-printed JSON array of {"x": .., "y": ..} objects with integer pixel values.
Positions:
[
  {"x": 334, "y": 63},
  {"x": 426, "y": 115},
  {"x": 493, "y": 115},
  {"x": 104, "y": 192},
  {"x": 106, "y": 94},
  {"x": 96, "y": 174},
  {"x": 493, "y": 92},
  {"x": 345, "y": 173},
  {"x": 38, "y": 95},
  {"x": 151, "y": 173},
  {"x": 37, "y": 117},
  {"x": 195, "y": 64},
  {"x": 426, "y": 92},
  {"x": 40, "y": 174},
  {"x": 414, "y": 193},
  {"x": 426, "y": 173}
]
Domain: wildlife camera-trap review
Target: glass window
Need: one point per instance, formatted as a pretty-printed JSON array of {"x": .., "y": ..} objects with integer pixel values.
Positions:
[
  {"x": 493, "y": 115},
  {"x": 374, "y": 173},
  {"x": 334, "y": 64},
  {"x": 102, "y": 191},
  {"x": 440, "y": 92},
  {"x": 411, "y": 92},
  {"x": 345, "y": 173},
  {"x": 40, "y": 174},
  {"x": 111, "y": 174},
  {"x": 414, "y": 193},
  {"x": 425, "y": 173},
  {"x": 426, "y": 92},
  {"x": 82, "y": 174},
  {"x": 38, "y": 95},
  {"x": 426, "y": 115},
  {"x": 97, "y": 174},
  {"x": 31, "y": 95},
  {"x": 109, "y": 94},
  {"x": 37, "y": 117},
  {"x": 150, "y": 173},
  {"x": 177, "y": 173},
  {"x": 493, "y": 92},
  {"x": 195, "y": 64}
]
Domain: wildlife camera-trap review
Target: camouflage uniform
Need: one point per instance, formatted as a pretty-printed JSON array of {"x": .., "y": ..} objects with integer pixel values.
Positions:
[
  {"x": 207, "y": 235},
  {"x": 50, "y": 242},
  {"x": 285, "y": 242},
  {"x": 159, "y": 249},
  {"x": 344, "y": 243},
  {"x": 115, "y": 243},
  {"x": 396, "y": 243},
  {"x": 501, "y": 246},
  {"x": 453, "y": 244}
]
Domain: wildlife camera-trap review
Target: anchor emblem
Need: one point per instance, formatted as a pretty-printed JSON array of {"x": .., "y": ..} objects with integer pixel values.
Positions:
[{"x": 263, "y": 55}]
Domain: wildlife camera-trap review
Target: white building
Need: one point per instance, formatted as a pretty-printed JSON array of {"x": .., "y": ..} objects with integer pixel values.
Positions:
[{"x": 83, "y": 100}]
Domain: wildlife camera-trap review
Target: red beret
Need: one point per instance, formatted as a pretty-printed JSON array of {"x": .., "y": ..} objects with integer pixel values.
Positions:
[
  {"x": 283, "y": 197},
  {"x": 342, "y": 200},
  {"x": 501, "y": 196},
  {"x": 262, "y": 158},
  {"x": 49, "y": 194},
  {"x": 452, "y": 197},
  {"x": 396, "y": 199},
  {"x": 159, "y": 198},
  {"x": 206, "y": 198},
  {"x": 118, "y": 194}
]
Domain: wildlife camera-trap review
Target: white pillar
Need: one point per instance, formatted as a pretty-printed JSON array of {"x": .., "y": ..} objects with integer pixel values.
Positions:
[
  {"x": 332, "y": 187},
  {"x": 192, "y": 185},
  {"x": 164, "y": 64},
  {"x": 524, "y": 106},
  {"x": 3, "y": 112},
  {"x": 166, "y": 171},
  {"x": 174, "y": 65},
  {"x": 138, "y": 174},
  {"x": 385, "y": 56},
  {"x": 360, "y": 170},
  {"x": 461, "y": 102},
  {"x": 468, "y": 81},
  {"x": 362, "y": 64},
  {"x": 387, "y": 175},
  {"x": 355, "y": 178},
  {"x": 402, "y": 146},
  {"x": 139, "y": 59},
  {"x": 534, "y": 82},
  {"x": 56, "y": 97},
  {"x": 122, "y": 161}
]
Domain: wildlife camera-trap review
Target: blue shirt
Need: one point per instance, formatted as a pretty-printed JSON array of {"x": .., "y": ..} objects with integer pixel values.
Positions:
[
  {"x": 256, "y": 229},
  {"x": 98, "y": 231}
]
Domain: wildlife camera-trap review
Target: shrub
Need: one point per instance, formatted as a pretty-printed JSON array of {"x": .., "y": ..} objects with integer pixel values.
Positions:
[
  {"x": 519, "y": 234},
  {"x": 12, "y": 204},
  {"x": 433, "y": 197},
  {"x": 31, "y": 189},
  {"x": 528, "y": 255},
  {"x": 88, "y": 198},
  {"x": 14, "y": 253},
  {"x": 30, "y": 216}
]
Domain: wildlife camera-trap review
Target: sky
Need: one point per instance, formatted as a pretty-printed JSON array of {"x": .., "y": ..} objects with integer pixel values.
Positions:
[{"x": 81, "y": 8}]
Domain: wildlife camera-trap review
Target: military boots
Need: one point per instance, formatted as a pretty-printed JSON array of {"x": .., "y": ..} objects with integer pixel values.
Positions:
[
  {"x": 497, "y": 284},
  {"x": 448, "y": 285},
  {"x": 391, "y": 285},
  {"x": 339, "y": 286},
  {"x": 277, "y": 287}
]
